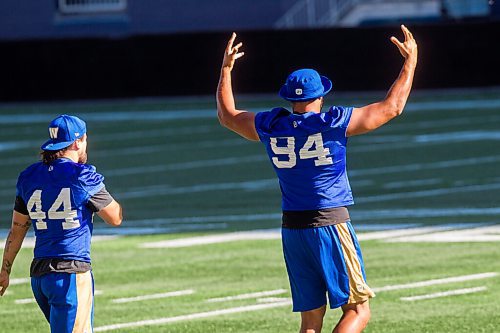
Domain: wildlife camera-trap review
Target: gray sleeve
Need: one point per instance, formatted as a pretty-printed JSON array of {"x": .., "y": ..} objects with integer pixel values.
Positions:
[{"x": 100, "y": 200}]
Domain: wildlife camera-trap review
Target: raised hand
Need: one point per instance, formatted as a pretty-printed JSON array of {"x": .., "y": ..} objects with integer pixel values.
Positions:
[
  {"x": 231, "y": 53},
  {"x": 408, "y": 48}
]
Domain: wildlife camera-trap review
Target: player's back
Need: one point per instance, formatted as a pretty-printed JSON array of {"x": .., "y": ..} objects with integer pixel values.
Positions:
[
  {"x": 56, "y": 196},
  {"x": 308, "y": 154}
]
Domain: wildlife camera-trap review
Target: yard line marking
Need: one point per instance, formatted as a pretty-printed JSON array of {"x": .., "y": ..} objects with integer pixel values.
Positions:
[
  {"x": 153, "y": 296},
  {"x": 426, "y": 124},
  {"x": 205, "y": 219},
  {"x": 115, "y": 116},
  {"x": 480, "y": 234},
  {"x": 429, "y": 193},
  {"x": 153, "y": 191},
  {"x": 425, "y": 166},
  {"x": 412, "y": 183},
  {"x": 272, "y": 184},
  {"x": 434, "y": 282},
  {"x": 186, "y": 165},
  {"x": 179, "y": 114},
  {"x": 247, "y": 296},
  {"x": 270, "y": 234},
  {"x": 377, "y": 235},
  {"x": 25, "y": 301},
  {"x": 167, "y": 320},
  {"x": 444, "y": 294},
  {"x": 158, "y": 229},
  {"x": 453, "y": 105},
  {"x": 271, "y": 299},
  {"x": 14, "y": 282},
  {"x": 215, "y": 239},
  {"x": 29, "y": 242},
  {"x": 421, "y": 212}
]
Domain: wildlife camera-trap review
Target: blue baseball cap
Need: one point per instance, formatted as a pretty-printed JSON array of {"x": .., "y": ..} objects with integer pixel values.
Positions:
[
  {"x": 63, "y": 131},
  {"x": 305, "y": 84}
]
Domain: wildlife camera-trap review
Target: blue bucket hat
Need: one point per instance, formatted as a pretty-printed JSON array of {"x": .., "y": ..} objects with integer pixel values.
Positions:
[
  {"x": 63, "y": 131},
  {"x": 305, "y": 84}
]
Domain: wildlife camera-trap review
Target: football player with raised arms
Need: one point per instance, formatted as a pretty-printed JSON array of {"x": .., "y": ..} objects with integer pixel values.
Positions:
[
  {"x": 307, "y": 149},
  {"x": 59, "y": 195}
]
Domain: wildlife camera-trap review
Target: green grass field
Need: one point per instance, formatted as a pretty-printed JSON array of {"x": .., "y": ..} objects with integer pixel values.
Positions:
[{"x": 179, "y": 174}]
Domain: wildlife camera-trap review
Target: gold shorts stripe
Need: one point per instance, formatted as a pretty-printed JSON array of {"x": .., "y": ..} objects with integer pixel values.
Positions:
[
  {"x": 359, "y": 290},
  {"x": 83, "y": 321}
]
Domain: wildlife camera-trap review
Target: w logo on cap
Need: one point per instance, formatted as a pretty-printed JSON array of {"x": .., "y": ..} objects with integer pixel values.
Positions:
[{"x": 53, "y": 132}]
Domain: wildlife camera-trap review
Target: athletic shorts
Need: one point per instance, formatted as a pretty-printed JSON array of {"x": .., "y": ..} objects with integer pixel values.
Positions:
[
  {"x": 324, "y": 260},
  {"x": 66, "y": 300}
]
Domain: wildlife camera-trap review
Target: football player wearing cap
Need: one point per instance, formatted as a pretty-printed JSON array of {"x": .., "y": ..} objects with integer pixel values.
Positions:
[
  {"x": 59, "y": 195},
  {"x": 307, "y": 149}
]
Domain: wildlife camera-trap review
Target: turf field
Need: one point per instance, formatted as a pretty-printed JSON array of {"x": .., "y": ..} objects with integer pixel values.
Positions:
[{"x": 426, "y": 186}]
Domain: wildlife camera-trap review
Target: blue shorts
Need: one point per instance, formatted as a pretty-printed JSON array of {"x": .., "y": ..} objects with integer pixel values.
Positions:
[
  {"x": 324, "y": 260},
  {"x": 66, "y": 300}
]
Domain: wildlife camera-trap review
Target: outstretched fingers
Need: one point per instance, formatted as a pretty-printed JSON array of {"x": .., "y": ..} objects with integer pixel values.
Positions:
[
  {"x": 396, "y": 42},
  {"x": 236, "y": 48},
  {"x": 232, "y": 52},
  {"x": 230, "y": 42}
]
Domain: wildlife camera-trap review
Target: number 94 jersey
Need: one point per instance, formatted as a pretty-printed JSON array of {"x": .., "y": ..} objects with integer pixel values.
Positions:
[
  {"x": 308, "y": 153},
  {"x": 56, "y": 197}
]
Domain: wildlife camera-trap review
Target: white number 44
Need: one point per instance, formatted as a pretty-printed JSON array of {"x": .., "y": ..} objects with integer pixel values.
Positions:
[
  {"x": 60, "y": 210},
  {"x": 319, "y": 152}
]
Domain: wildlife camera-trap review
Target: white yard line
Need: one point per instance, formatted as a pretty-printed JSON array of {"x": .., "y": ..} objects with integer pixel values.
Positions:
[
  {"x": 185, "y": 165},
  {"x": 168, "y": 115},
  {"x": 382, "y": 214},
  {"x": 271, "y": 299},
  {"x": 272, "y": 234},
  {"x": 425, "y": 166},
  {"x": 216, "y": 239},
  {"x": 153, "y": 296},
  {"x": 247, "y": 296},
  {"x": 444, "y": 294},
  {"x": 479, "y": 234},
  {"x": 115, "y": 116},
  {"x": 388, "y": 234},
  {"x": 25, "y": 301},
  {"x": 159, "y": 229},
  {"x": 429, "y": 193},
  {"x": 14, "y": 282},
  {"x": 153, "y": 191},
  {"x": 206, "y": 219},
  {"x": 434, "y": 282},
  {"x": 192, "y": 316},
  {"x": 29, "y": 242}
]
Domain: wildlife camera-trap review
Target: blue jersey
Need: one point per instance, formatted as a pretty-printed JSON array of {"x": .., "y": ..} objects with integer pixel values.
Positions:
[
  {"x": 308, "y": 153},
  {"x": 56, "y": 196}
]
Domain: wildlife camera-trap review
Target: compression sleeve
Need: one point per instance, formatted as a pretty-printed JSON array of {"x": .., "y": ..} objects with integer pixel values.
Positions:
[
  {"x": 20, "y": 206},
  {"x": 100, "y": 200}
]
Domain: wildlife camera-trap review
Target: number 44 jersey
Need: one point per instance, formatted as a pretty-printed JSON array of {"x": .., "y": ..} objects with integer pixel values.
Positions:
[
  {"x": 308, "y": 153},
  {"x": 56, "y": 198}
]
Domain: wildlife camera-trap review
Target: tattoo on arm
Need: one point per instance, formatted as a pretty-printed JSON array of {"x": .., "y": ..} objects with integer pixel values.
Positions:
[
  {"x": 7, "y": 266},
  {"x": 26, "y": 225},
  {"x": 9, "y": 241}
]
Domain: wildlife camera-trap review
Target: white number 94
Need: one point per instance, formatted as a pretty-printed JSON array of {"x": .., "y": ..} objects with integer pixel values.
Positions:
[{"x": 319, "y": 152}]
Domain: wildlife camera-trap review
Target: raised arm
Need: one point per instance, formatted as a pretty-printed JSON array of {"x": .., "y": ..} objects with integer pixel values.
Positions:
[
  {"x": 370, "y": 117},
  {"x": 20, "y": 225},
  {"x": 239, "y": 121}
]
